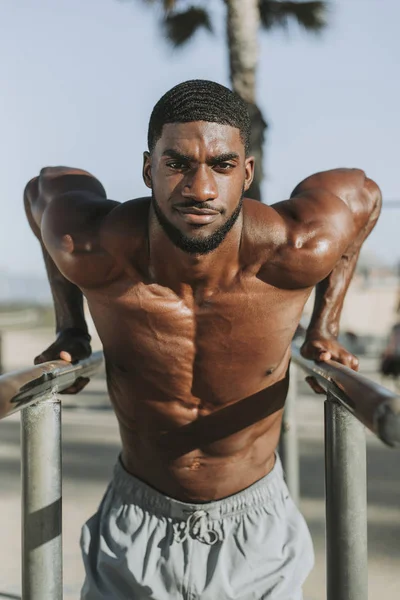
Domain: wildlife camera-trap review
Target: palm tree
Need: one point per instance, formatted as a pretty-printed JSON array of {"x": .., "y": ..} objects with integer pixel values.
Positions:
[{"x": 244, "y": 18}]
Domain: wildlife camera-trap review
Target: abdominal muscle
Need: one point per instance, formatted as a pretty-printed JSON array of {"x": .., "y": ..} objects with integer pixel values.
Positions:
[
  {"x": 196, "y": 452},
  {"x": 198, "y": 390}
]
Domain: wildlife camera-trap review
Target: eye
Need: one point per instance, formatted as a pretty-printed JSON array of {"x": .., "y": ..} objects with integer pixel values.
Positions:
[
  {"x": 176, "y": 165},
  {"x": 224, "y": 166}
]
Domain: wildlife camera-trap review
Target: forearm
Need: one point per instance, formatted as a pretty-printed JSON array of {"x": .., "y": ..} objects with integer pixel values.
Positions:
[
  {"x": 67, "y": 297},
  {"x": 329, "y": 299}
]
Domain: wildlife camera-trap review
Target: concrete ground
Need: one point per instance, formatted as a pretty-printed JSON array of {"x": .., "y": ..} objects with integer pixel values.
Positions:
[{"x": 91, "y": 445}]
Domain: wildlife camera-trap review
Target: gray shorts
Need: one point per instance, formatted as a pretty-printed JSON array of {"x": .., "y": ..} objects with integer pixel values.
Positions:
[{"x": 141, "y": 544}]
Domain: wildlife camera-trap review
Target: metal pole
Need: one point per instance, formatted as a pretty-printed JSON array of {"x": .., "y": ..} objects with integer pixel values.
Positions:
[
  {"x": 41, "y": 501},
  {"x": 1, "y": 354},
  {"x": 346, "y": 504},
  {"x": 288, "y": 445}
]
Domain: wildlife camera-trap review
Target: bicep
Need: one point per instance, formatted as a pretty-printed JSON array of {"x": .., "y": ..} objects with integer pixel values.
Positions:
[{"x": 70, "y": 230}]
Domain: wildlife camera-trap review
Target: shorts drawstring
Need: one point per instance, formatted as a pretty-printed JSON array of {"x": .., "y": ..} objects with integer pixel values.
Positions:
[{"x": 197, "y": 527}]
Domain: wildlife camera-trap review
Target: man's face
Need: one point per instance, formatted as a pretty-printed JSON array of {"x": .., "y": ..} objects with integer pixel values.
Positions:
[{"x": 198, "y": 173}]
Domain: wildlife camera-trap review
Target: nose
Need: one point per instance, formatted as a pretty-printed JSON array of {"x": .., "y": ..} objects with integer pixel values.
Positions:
[{"x": 200, "y": 184}]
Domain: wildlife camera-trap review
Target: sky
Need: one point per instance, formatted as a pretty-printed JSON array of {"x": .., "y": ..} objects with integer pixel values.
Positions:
[{"x": 79, "y": 80}]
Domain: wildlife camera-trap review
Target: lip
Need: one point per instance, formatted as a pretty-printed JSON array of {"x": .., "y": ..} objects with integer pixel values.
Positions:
[{"x": 197, "y": 216}]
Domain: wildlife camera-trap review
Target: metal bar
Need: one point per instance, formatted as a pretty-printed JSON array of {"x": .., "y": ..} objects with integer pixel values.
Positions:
[
  {"x": 346, "y": 504},
  {"x": 22, "y": 388},
  {"x": 374, "y": 405},
  {"x": 41, "y": 501},
  {"x": 288, "y": 443}
]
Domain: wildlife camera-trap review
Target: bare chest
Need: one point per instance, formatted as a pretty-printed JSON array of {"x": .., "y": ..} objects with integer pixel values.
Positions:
[{"x": 217, "y": 347}]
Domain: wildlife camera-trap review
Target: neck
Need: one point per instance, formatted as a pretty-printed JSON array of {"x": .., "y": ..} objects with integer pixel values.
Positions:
[{"x": 171, "y": 266}]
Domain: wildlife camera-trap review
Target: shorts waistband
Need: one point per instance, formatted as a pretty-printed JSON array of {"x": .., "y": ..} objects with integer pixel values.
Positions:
[{"x": 135, "y": 491}]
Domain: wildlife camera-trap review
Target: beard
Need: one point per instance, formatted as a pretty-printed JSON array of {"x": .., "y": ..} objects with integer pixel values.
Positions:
[{"x": 194, "y": 245}]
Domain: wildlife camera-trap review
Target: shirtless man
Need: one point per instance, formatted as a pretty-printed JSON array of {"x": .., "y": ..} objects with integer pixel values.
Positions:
[{"x": 196, "y": 294}]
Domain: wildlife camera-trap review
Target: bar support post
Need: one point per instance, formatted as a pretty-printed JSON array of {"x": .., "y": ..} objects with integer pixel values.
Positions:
[
  {"x": 41, "y": 501},
  {"x": 288, "y": 444},
  {"x": 346, "y": 504}
]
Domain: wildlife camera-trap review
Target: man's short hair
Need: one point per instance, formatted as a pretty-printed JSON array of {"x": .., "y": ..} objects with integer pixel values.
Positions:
[{"x": 200, "y": 100}]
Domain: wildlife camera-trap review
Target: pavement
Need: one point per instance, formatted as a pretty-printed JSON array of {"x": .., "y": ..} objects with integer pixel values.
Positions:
[{"x": 91, "y": 445}]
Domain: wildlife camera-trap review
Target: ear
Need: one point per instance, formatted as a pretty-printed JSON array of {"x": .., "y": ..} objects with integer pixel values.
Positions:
[
  {"x": 146, "y": 173},
  {"x": 249, "y": 172}
]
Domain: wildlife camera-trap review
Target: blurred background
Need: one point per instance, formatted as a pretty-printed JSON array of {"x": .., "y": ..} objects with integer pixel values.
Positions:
[{"x": 79, "y": 80}]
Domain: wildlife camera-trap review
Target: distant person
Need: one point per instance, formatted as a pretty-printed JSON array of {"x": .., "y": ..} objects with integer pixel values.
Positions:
[
  {"x": 390, "y": 362},
  {"x": 196, "y": 293}
]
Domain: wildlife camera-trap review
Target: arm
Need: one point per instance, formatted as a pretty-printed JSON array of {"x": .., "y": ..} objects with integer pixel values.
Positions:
[
  {"x": 71, "y": 329},
  {"x": 363, "y": 198},
  {"x": 47, "y": 199}
]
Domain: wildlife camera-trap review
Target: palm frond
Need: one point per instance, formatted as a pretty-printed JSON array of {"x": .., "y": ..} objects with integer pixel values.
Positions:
[
  {"x": 309, "y": 15},
  {"x": 181, "y": 26}
]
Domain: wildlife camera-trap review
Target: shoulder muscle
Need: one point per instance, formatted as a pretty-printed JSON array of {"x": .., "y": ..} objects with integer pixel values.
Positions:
[
  {"x": 316, "y": 229},
  {"x": 123, "y": 230},
  {"x": 70, "y": 227},
  {"x": 311, "y": 231}
]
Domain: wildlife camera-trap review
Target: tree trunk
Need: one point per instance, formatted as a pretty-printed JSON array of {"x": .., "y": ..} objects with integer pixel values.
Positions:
[
  {"x": 258, "y": 127},
  {"x": 243, "y": 24}
]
